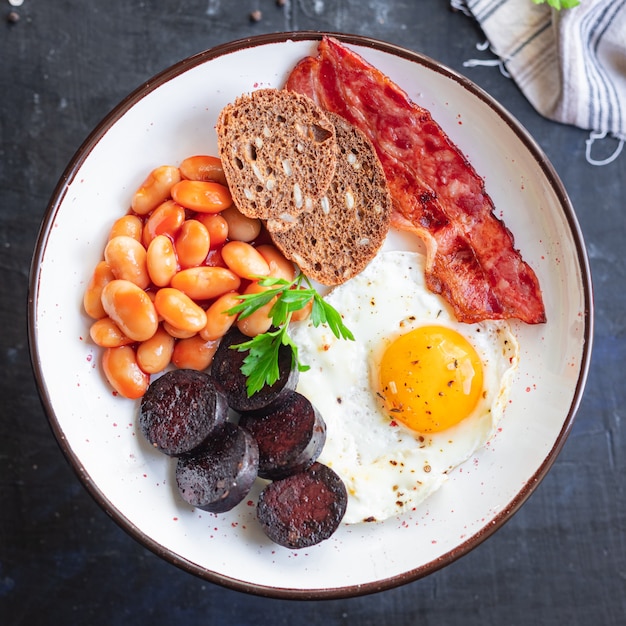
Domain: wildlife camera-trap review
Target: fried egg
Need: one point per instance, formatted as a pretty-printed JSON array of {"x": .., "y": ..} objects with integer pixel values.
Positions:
[{"x": 412, "y": 397}]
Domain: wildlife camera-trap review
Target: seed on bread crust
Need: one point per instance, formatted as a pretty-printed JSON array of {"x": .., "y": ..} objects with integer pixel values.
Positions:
[
  {"x": 345, "y": 229},
  {"x": 278, "y": 152}
]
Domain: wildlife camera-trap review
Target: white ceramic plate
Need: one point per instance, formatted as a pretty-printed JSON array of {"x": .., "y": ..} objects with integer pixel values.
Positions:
[{"x": 172, "y": 117}]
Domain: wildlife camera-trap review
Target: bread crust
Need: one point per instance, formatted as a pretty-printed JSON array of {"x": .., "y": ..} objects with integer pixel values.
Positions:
[
  {"x": 278, "y": 151},
  {"x": 345, "y": 229}
]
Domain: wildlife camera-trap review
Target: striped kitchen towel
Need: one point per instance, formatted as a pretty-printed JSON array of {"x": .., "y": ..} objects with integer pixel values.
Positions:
[{"x": 570, "y": 64}]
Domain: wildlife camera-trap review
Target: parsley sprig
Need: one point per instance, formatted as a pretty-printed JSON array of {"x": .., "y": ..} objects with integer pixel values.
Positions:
[
  {"x": 559, "y": 4},
  {"x": 260, "y": 366}
]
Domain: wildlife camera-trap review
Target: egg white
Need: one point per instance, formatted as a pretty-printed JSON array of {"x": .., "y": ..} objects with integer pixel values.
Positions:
[{"x": 389, "y": 469}]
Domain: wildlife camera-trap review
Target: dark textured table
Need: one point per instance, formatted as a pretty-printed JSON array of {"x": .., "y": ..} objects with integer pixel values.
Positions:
[{"x": 560, "y": 560}]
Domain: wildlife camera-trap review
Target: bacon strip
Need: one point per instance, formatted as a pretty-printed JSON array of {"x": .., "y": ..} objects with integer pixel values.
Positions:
[{"x": 471, "y": 258}]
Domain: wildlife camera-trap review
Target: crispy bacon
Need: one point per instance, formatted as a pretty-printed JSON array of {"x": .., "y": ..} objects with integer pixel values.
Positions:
[{"x": 471, "y": 258}]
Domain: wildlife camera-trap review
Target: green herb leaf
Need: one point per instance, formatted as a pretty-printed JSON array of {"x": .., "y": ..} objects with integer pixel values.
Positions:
[
  {"x": 251, "y": 302},
  {"x": 260, "y": 366},
  {"x": 559, "y": 4},
  {"x": 331, "y": 317}
]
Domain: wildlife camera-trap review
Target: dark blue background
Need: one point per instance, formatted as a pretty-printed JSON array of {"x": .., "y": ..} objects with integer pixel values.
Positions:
[{"x": 560, "y": 560}]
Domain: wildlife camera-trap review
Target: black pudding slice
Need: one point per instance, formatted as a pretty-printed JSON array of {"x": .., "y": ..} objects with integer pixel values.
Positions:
[
  {"x": 226, "y": 370},
  {"x": 290, "y": 437},
  {"x": 180, "y": 410},
  {"x": 303, "y": 509},
  {"x": 220, "y": 476}
]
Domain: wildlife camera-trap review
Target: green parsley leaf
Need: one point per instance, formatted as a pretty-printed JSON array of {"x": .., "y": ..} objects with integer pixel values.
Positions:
[
  {"x": 260, "y": 366},
  {"x": 251, "y": 302},
  {"x": 333, "y": 319},
  {"x": 559, "y": 4}
]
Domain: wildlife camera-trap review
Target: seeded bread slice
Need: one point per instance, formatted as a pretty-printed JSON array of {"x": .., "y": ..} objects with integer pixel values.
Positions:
[
  {"x": 278, "y": 151},
  {"x": 345, "y": 229}
]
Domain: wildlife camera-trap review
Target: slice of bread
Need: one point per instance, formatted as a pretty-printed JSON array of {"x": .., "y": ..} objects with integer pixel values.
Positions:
[
  {"x": 345, "y": 229},
  {"x": 278, "y": 151}
]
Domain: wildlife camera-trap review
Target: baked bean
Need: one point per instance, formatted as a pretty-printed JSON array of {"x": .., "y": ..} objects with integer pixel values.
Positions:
[
  {"x": 107, "y": 334},
  {"x": 123, "y": 373},
  {"x": 244, "y": 260},
  {"x": 192, "y": 243},
  {"x": 131, "y": 308},
  {"x": 155, "y": 189},
  {"x": 214, "y": 258},
  {"x": 129, "y": 225},
  {"x": 166, "y": 219},
  {"x": 92, "y": 299},
  {"x": 217, "y": 227},
  {"x": 202, "y": 196},
  {"x": 178, "y": 333},
  {"x": 217, "y": 320},
  {"x": 204, "y": 258},
  {"x": 258, "y": 322},
  {"x": 194, "y": 353},
  {"x": 155, "y": 354},
  {"x": 179, "y": 310},
  {"x": 241, "y": 227},
  {"x": 280, "y": 266},
  {"x": 203, "y": 167},
  {"x": 205, "y": 282},
  {"x": 151, "y": 295},
  {"x": 161, "y": 260},
  {"x": 127, "y": 259}
]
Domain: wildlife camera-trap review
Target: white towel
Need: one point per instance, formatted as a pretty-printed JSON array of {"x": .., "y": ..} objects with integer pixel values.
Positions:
[{"x": 570, "y": 64}]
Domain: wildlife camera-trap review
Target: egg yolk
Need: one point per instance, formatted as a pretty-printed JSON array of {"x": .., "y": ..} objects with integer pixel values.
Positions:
[{"x": 430, "y": 378}]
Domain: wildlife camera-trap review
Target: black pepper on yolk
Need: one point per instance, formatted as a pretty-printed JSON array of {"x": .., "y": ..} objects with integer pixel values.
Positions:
[{"x": 430, "y": 378}]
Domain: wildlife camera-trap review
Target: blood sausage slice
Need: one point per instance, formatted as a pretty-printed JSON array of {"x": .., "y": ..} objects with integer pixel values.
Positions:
[
  {"x": 221, "y": 475},
  {"x": 303, "y": 509},
  {"x": 290, "y": 437},
  {"x": 180, "y": 410}
]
